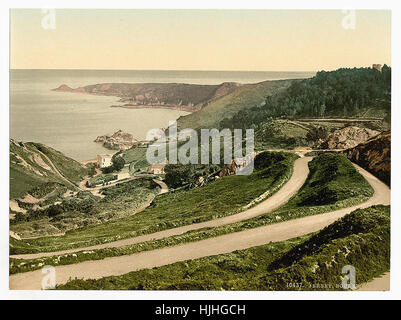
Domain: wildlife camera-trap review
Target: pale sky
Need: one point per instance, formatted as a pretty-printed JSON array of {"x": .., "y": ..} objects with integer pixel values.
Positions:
[{"x": 265, "y": 40}]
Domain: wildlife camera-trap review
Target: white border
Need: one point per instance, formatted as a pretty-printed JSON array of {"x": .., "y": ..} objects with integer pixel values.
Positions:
[{"x": 395, "y": 292}]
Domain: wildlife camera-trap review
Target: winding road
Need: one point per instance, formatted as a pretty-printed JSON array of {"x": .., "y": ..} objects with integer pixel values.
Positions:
[
  {"x": 213, "y": 246},
  {"x": 296, "y": 181}
]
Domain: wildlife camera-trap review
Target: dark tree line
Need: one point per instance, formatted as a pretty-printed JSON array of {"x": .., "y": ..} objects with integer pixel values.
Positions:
[{"x": 344, "y": 92}]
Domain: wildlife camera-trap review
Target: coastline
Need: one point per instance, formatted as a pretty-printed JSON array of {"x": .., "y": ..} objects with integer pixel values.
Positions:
[{"x": 135, "y": 106}]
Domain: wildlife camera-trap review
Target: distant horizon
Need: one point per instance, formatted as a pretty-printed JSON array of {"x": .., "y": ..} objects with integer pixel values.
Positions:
[{"x": 197, "y": 70}]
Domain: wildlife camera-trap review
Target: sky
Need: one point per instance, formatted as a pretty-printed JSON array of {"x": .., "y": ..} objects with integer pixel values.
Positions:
[{"x": 254, "y": 40}]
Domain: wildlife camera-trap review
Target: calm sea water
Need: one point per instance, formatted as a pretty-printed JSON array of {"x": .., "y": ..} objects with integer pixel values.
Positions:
[{"x": 70, "y": 122}]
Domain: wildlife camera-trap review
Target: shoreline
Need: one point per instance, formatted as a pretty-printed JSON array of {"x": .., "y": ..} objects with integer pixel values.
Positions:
[{"x": 135, "y": 106}]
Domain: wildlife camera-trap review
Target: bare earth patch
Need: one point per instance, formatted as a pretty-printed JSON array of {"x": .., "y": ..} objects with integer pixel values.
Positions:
[{"x": 15, "y": 207}]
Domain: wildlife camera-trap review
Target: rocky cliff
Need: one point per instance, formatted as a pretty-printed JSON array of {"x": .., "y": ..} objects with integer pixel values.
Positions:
[
  {"x": 346, "y": 138},
  {"x": 188, "y": 97},
  {"x": 374, "y": 155}
]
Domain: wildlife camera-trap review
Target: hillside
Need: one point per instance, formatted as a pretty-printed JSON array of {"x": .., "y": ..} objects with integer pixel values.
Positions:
[
  {"x": 83, "y": 209},
  {"x": 244, "y": 97},
  {"x": 188, "y": 97},
  {"x": 170, "y": 210},
  {"x": 374, "y": 155},
  {"x": 352, "y": 93},
  {"x": 34, "y": 164},
  {"x": 361, "y": 239}
]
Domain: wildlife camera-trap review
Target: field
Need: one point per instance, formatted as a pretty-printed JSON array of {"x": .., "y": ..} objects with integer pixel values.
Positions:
[{"x": 312, "y": 262}]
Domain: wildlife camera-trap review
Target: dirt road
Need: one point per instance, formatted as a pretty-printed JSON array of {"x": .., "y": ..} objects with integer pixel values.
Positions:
[
  {"x": 218, "y": 245},
  {"x": 297, "y": 179},
  {"x": 164, "y": 187},
  {"x": 381, "y": 283}
]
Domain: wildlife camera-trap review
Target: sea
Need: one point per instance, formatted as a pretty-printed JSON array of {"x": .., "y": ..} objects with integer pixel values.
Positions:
[{"x": 69, "y": 122}]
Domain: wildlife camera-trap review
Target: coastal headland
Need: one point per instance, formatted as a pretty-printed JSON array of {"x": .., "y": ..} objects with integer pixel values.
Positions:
[{"x": 176, "y": 96}]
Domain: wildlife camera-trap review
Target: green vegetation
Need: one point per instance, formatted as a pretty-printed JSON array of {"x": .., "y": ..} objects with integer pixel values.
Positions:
[
  {"x": 341, "y": 184},
  {"x": 332, "y": 179},
  {"x": 361, "y": 239},
  {"x": 136, "y": 157},
  {"x": 82, "y": 210},
  {"x": 21, "y": 182},
  {"x": 101, "y": 179},
  {"x": 133, "y": 154},
  {"x": 153, "y": 93},
  {"x": 45, "y": 194},
  {"x": 214, "y": 200},
  {"x": 46, "y": 188},
  {"x": 288, "y": 134},
  {"x": 178, "y": 175},
  {"x": 244, "y": 97},
  {"x": 284, "y": 134},
  {"x": 68, "y": 167},
  {"x": 344, "y": 188},
  {"x": 30, "y": 169},
  {"x": 344, "y": 92},
  {"x": 117, "y": 163}
]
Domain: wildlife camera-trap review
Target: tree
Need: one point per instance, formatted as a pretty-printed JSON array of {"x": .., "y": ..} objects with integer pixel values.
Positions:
[{"x": 118, "y": 163}]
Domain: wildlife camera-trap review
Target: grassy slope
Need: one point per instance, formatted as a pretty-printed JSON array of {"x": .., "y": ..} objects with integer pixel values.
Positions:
[
  {"x": 247, "y": 96},
  {"x": 68, "y": 167},
  {"x": 212, "y": 201},
  {"x": 21, "y": 181},
  {"x": 134, "y": 154},
  {"x": 85, "y": 209},
  {"x": 345, "y": 180},
  {"x": 24, "y": 178},
  {"x": 361, "y": 239}
]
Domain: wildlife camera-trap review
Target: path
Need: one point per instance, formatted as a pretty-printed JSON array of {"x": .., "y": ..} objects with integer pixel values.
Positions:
[
  {"x": 292, "y": 186},
  {"x": 208, "y": 247},
  {"x": 57, "y": 171},
  {"x": 381, "y": 283}
]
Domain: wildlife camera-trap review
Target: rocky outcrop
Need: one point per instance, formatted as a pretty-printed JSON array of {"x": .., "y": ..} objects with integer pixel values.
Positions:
[
  {"x": 64, "y": 88},
  {"x": 237, "y": 165},
  {"x": 374, "y": 155},
  {"x": 119, "y": 140},
  {"x": 346, "y": 138},
  {"x": 187, "y": 97}
]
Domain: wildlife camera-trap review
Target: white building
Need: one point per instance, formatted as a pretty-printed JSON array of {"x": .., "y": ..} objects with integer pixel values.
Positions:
[{"x": 104, "y": 160}]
